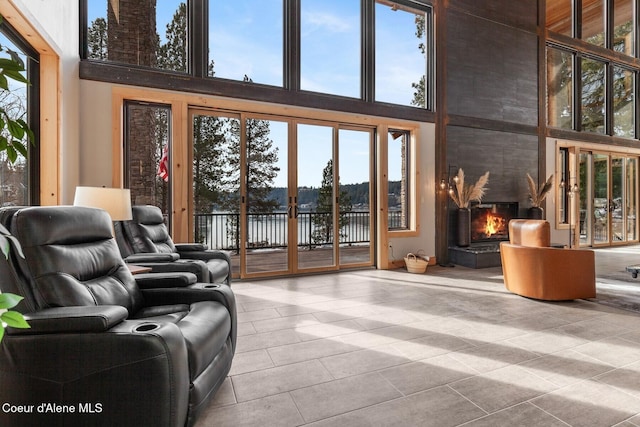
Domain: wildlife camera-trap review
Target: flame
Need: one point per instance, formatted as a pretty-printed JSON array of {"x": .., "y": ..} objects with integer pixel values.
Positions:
[{"x": 493, "y": 225}]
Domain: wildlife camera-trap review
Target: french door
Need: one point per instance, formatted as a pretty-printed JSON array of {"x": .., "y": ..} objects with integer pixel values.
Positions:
[
  {"x": 283, "y": 195},
  {"x": 608, "y": 198}
]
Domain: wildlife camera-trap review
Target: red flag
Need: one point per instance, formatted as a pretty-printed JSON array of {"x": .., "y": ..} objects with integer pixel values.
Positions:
[{"x": 163, "y": 166}]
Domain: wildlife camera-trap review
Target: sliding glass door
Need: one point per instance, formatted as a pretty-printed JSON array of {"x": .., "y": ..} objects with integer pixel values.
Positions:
[
  {"x": 608, "y": 199},
  {"x": 282, "y": 195}
]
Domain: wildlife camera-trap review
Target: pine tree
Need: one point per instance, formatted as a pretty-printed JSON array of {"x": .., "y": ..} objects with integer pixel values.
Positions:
[
  {"x": 172, "y": 55},
  {"x": 323, "y": 218},
  {"x": 97, "y": 40}
]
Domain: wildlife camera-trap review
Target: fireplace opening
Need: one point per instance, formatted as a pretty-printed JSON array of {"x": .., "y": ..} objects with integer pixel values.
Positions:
[{"x": 490, "y": 221}]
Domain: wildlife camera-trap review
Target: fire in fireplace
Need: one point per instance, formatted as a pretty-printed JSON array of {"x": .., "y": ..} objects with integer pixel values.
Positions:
[{"x": 490, "y": 221}]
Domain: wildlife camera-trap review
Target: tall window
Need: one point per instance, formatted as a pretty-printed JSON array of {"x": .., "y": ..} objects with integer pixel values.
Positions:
[
  {"x": 147, "y": 154},
  {"x": 624, "y": 28},
  {"x": 245, "y": 40},
  {"x": 559, "y": 93},
  {"x": 559, "y": 17},
  {"x": 401, "y": 54},
  {"x": 624, "y": 102},
  {"x": 593, "y": 29},
  {"x": 19, "y": 179},
  {"x": 399, "y": 182},
  {"x": 330, "y": 47},
  {"x": 144, "y": 33},
  {"x": 593, "y": 95}
]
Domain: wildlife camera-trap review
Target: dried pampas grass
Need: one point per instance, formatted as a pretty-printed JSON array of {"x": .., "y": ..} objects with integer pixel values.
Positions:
[
  {"x": 537, "y": 195},
  {"x": 463, "y": 194}
]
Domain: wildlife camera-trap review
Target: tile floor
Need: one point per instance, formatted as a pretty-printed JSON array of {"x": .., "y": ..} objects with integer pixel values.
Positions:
[{"x": 447, "y": 348}]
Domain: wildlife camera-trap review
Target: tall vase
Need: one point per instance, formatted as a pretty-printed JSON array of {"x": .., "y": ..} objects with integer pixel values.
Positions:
[
  {"x": 464, "y": 227},
  {"x": 536, "y": 212}
]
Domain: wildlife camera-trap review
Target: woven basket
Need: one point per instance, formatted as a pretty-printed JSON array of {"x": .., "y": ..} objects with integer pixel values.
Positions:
[{"x": 415, "y": 264}]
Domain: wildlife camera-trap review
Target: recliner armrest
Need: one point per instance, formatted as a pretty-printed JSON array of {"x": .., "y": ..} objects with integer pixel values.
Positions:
[
  {"x": 190, "y": 247},
  {"x": 165, "y": 280},
  {"x": 152, "y": 257},
  {"x": 206, "y": 255},
  {"x": 73, "y": 319}
]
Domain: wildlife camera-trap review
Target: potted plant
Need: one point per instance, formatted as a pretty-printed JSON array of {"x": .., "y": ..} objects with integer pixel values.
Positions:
[
  {"x": 7, "y": 300},
  {"x": 537, "y": 194},
  {"x": 462, "y": 195},
  {"x": 15, "y": 133}
]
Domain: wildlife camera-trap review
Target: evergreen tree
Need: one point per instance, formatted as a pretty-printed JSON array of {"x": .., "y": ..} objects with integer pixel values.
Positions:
[
  {"x": 97, "y": 40},
  {"x": 209, "y": 142},
  {"x": 323, "y": 218},
  {"x": 172, "y": 55},
  {"x": 419, "y": 87}
]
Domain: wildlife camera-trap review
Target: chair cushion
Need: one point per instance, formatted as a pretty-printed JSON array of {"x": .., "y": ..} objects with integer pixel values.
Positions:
[
  {"x": 147, "y": 231},
  {"x": 72, "y": 259},
  {"x": 206, "y": 329},
  {"x": 530, "y": 232},
  {"x": 218, "y": 270}
]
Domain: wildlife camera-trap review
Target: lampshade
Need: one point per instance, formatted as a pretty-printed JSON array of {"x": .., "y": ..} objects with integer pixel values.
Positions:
[{"x": 116, "y": 201}]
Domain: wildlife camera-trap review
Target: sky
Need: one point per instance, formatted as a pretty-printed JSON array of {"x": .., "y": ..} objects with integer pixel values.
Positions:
[{"x": 246, "y": 38}]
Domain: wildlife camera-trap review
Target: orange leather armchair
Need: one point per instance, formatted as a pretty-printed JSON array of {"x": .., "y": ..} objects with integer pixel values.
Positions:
[{"x": 533, "y": 269}]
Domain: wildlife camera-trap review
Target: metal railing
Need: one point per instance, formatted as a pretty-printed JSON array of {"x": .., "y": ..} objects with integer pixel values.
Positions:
[{"x": 269, "y": 231}]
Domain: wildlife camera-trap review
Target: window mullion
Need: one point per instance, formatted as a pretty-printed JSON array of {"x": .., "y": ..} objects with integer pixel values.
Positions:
[
  {"x": 291, "y": 40},
  {"x": 367, "y": 67},
  {"x": 198, "y": 36}
]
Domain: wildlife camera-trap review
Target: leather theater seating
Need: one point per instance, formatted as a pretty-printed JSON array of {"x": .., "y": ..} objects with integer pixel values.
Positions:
[
  {"x": 145, "y": 241},
  {"x": 107, "y": 347},
  {"x": 533, "y": 269}
]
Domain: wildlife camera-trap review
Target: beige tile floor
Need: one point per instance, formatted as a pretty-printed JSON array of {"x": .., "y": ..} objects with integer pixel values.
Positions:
[{"x": 446, "y": 348}]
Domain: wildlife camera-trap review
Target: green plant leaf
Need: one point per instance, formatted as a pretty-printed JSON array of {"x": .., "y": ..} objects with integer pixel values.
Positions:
[
  {"x": 20, "y": 147},
  {"x": 15, "y": 129},
  {"x": 8, "y": 64},
  {"x": 14, "y": 319},
  {"x": 8, "y": 300},
  {"x": 12, "y": 155},
  {"x": 16, "y": 244},
  {"x": 4, "y": 83},
  {"x": 1, "y": 331},
  {"x": 4, "y": 246},
  {"x": 16, "y": 75}
]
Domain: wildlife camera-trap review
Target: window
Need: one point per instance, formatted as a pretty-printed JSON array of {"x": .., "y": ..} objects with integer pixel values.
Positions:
[
  {"x": 255, "y": 52},
  {"x": 147, "y": 33},
  {"x": 19, "y": 180},
  {"x": 147, "y": 154},
  {"x": 624, "y": 28},
  {"x": 559, "y": 88},
  {"x": 624, "y": 100},
  {"x": 358, "y": 50},
  {"x": 330, "y": 47},
  {"x": 399, "y": 182},
  {"x": 593, "y": 95},
  {"x": 401, "y": 54},
  {"x": 592, "y": 23},
  {"x": 559, "y": 17},
  {"x": 563, "y": 184}
]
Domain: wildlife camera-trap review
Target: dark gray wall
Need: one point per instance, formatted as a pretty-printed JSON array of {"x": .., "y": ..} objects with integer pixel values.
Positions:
[{"x": 491, "y": 114}]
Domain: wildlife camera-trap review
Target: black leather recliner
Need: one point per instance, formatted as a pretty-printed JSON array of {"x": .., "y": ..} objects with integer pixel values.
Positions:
[
  {"x": 145, "y": 241},
  {"x": 105, "y": 347}
]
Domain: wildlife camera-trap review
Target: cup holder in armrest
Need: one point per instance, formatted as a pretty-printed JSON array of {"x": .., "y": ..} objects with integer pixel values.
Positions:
[
  {"x": 211, "y": 286},
  {"x": 146, "y": 327}
]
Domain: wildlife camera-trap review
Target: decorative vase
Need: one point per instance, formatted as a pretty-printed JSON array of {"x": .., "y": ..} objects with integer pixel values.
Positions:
[
  {"x": 464, "y": 227},
  {"x": 536, "y": 212}
]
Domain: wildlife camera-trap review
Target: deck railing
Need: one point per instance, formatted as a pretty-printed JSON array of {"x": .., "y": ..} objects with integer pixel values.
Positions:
[{"x": 269, "y": 231}]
